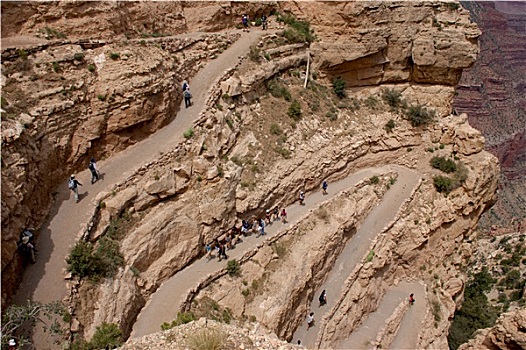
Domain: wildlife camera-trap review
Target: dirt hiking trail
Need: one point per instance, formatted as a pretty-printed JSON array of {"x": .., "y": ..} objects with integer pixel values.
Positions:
[
  {"x": 44, "y": 281},
  {"x": 356, "y": 249}
]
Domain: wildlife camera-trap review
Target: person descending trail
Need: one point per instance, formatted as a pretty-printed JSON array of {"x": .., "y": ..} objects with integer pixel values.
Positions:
[
  {"x": 411, "y": 299},
  {"x": 283, "y": 216},
  {"x": 73, "y": 185},
  {"x": 323, "y": 298},
  {"x": 92, "y": 166},
  {"x": 264, "y": 22},
  {"x": 310, "y": 320},
  {"x": 302, "y": 198},
  {"x": 244, "y": 21},
  {"x": 324, "y": 186},
  {"x": 187, "y": 97},
  {"x": 185, "y": 85}
]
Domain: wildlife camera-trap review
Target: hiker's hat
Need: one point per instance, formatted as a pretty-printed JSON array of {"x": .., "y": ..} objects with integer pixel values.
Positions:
[{"x": 72, "y": 176}]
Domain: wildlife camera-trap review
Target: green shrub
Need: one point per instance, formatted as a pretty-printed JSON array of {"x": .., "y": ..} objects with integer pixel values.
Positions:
[
  {"x": 236, "y": 160},
  {"x": 389, "y": 126},
  {"x": 370, "y": 256},
  {"x": 374, "y": 180},
  {"x": 92, "y": 68},
  {"x": 108, "y": 256},
  {"x": 392, "y": 97},
  {"x": 188, "y": 133},
  {"x": 278, "y": 90},
  {"x": 299, "y": 31},
  {"x": 56, "y": 67},
  {"x": 338, "y": 86},
  {"x": 107, "y": 336},
  {"x": 220, "y": 171},
  {"x": 331, "y": 115},
  {"x": 142, "y": 42},
  {"x": 419, "y": 115},
  {"x": 475, "y": 313},
  {"x": 443, "y": 183},
  {"x": 284, "y": 152},
  {"x": 80, "y": 261},
  {"x": 182, "y": 318},
  {"x": 233, "y": 268},
  {"x": 79, "y": 56},
  {"x": 446, "y": 165},
  {"x": 294, "y": 111},
  {"x": 452, "y": 6},
  {"x": 114, "y": 55},
  {"x": 23, "y": 54},
  {"x": 101, "y": 97}
]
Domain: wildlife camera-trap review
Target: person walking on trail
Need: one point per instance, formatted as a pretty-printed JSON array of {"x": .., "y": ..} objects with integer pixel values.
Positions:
[
  {"x": 276, "y": 213},
  {"x": 92, "y": 166},
  {"x": 310, "y": 320},
  {"x": 411, "y": 299},
  {"x": 302, "y": 198},
  {"x": 187, "y": 97},
  {"x": 261, "y": 227},
  {"x": 324, "y": 186},
  {"x": 283, "y": 216},
  {"x": 264, "y": 22},
  {"x": 244, "y": 20},
  {"x": 323, "y": 298},
  {"x": 73, "y": 185}
]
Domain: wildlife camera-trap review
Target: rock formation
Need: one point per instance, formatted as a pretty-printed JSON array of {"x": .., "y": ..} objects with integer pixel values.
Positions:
[{"x": 245, "y": 154}]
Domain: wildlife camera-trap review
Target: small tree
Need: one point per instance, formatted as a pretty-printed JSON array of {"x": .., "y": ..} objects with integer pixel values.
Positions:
[
  {"x": 294, "y": 110},
  {"x": 233, "y": 267},
  {"x": 338, "y": 86},
  {"x": 107, "y": 336}
]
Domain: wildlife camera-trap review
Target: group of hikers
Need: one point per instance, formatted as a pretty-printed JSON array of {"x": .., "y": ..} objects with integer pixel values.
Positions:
[
  {"x": 245, "y": 22},
  {"x": 73, "y": 183}
]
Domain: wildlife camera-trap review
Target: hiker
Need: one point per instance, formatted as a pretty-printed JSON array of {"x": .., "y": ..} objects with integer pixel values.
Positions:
[
  {"x": 324, "y": 186},
  {"x": 276, "y": 213},
  {"x": 323, "y": 298},
  {"x": 73, "y": 185},
  {"x": 264, "y": 22},
  {"x": 411, "y": 299},
  {"x": 267, "y": 216},
  {"x": 187, "y": 97},
  {"x": 245, "y": 227},
  {"x": 261, "y": 227},
  {"x": 26, "y": 245},
  {"x": 208, "y": 249},
  {"x": 302, "y": 198},
  {"x": 310, "y": 320},
  {"x": 92, "y": 166},
  {"x": 222, "y": 252},
  {"x": 185, "y": 85},
  {"x": 244, "y": 20},
  {"x": 283, "y": 216}
]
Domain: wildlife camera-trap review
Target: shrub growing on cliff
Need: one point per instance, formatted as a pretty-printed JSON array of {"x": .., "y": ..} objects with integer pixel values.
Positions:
[
  {"x": 294, "y": 110},
  {"x": 233, "y": 268},
  {"x": 188, "y": 133},
  {"x": 338, "y": 86},
  {"x": 443, "y": 183},
  {"x": 392, "y": 97},
  {"x": 206, "y": 339},
  {"x": 278, "y": 90},
  {"x": 446, "y": 165},
  {"x": 475, "y": 313},
  {"x": 80, "y": 260},
  {"x": 255, "y": 53},
  {"x": 419, "y": 115},
  {"x": 389, "y": 126},
  {"x": 298, "y": 32},
  {"x": 107, "y": 336}
]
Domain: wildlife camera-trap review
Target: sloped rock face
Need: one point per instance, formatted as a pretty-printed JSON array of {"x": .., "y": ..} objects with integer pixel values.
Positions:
[
  {"x": 64, "y": 104},
  {"x": 492, "y": 94},
  {"x": 369, "y": 43}
]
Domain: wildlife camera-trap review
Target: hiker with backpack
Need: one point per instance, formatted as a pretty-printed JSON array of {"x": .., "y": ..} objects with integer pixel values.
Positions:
[
  {"x": 187, "y": 97},
  {"x": 73, "y": 185},
  {"x": 244, "y": 20},
  {"x": 92, "y": 166}
]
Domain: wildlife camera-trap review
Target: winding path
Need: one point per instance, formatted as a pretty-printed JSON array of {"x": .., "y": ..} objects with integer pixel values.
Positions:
[
  {"x": 44, "y": 281},
  {"x": 357, "y": 248}
]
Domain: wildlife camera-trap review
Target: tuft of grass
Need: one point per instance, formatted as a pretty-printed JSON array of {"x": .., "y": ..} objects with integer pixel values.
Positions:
[
  {"x": 275, "y": 129},
  {"x": 370, "y": 256},
  {"x": 188, "y": 133}
]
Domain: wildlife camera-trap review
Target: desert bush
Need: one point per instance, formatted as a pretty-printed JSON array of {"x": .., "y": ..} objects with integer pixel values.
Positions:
[
  {"x": 56, "y": 67},
  {"x": 298, "y": 31},
  {"x": 392, "y": 97},
  {"x": 278, "y": 90},
  {"x": 338, "y": 86},
  {"x": 370, "y": 256},
  {"x": 475, "y": 313},
  {"x": 182, "y": 318},
  {"x": 389, "y": 126},
  {"x": 80, "y": 261},
  {"x": 294, "y": 111},
  {"x": 92, "y": 68},
  {"x": 233, "y": 268},
  {"x": 446, "y": 165},
  {"x": 114, "y": 56},
  {"x": 188, "y": 133},
  {"x": 107, "y": 336},
  {"x": 206, "y": 339},
  {"x": 79, "y": 56},
  {"x": 374, "y": 180},
  {"x": 443, "y": 183},
  {"x": 419, "y": 115},
  {"x": 275, "y": 129}
]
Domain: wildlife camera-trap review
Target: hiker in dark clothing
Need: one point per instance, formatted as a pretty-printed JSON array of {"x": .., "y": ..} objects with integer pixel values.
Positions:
[
  {"x": 92, "y": 166},
  {"x": 187, "y": 97}
]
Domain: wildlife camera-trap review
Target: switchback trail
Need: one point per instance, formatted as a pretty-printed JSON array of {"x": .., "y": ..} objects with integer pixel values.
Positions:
[
  {"x": 44, "y": 281},
  {"x": 164, "y": 304},
  {"x": 356, "y": 249}
]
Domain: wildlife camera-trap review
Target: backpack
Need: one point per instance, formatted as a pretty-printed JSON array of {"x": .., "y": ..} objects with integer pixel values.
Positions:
[
  {"x": 187, "y": 94},
  {"x": 91, "y": 167},
  {"x": 71, "y": 184}
]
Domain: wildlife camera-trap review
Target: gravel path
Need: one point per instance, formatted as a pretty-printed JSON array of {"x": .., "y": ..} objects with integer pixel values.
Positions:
[
  {"x": 356, "y": 249},
  {"x": 166, "y": 301},
  {"x": 407, "y": 335},
  {"x": 44, "y": 281}
]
